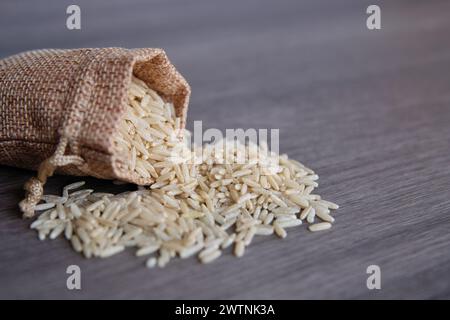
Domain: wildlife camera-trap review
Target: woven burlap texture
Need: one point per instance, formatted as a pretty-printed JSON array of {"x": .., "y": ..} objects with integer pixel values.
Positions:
[{"x": 60, "y": 109}]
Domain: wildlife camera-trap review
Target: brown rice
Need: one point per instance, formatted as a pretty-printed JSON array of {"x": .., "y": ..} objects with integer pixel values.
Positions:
[{"x": 192, "y": 209}]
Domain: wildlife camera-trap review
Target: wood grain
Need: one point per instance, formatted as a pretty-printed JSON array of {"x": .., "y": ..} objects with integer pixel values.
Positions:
[{"x": 368, "y": 110}]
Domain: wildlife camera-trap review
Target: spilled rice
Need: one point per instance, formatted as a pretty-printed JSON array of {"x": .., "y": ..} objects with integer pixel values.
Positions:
[{"x": 193, "y": 208}]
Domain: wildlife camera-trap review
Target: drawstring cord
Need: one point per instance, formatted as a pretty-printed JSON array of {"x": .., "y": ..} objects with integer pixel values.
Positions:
[{"x": 34, "y": 188}]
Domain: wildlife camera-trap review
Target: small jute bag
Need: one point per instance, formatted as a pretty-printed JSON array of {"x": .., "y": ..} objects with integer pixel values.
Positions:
[{"x": 61, "y": 108}]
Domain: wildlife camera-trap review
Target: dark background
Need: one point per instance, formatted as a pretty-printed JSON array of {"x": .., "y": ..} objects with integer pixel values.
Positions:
[{"x": 368, "y": 110}]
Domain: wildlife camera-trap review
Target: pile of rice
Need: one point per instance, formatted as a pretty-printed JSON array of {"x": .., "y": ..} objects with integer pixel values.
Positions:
[{"x": 194, "y": 207}]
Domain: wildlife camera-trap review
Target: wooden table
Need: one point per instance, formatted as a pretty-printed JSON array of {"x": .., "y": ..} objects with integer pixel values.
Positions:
[{"x": 368, "y": 110}]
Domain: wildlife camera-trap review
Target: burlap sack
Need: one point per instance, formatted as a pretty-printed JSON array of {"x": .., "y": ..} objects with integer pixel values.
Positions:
[{"x": 60, "y": 108}]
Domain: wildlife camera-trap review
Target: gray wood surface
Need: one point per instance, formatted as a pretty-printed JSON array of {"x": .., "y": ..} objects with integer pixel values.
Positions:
[{"x": 368, "y": 110}]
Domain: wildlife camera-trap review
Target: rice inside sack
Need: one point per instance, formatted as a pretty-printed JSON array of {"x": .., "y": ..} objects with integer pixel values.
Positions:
[{"x": 150, "y": 134}]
